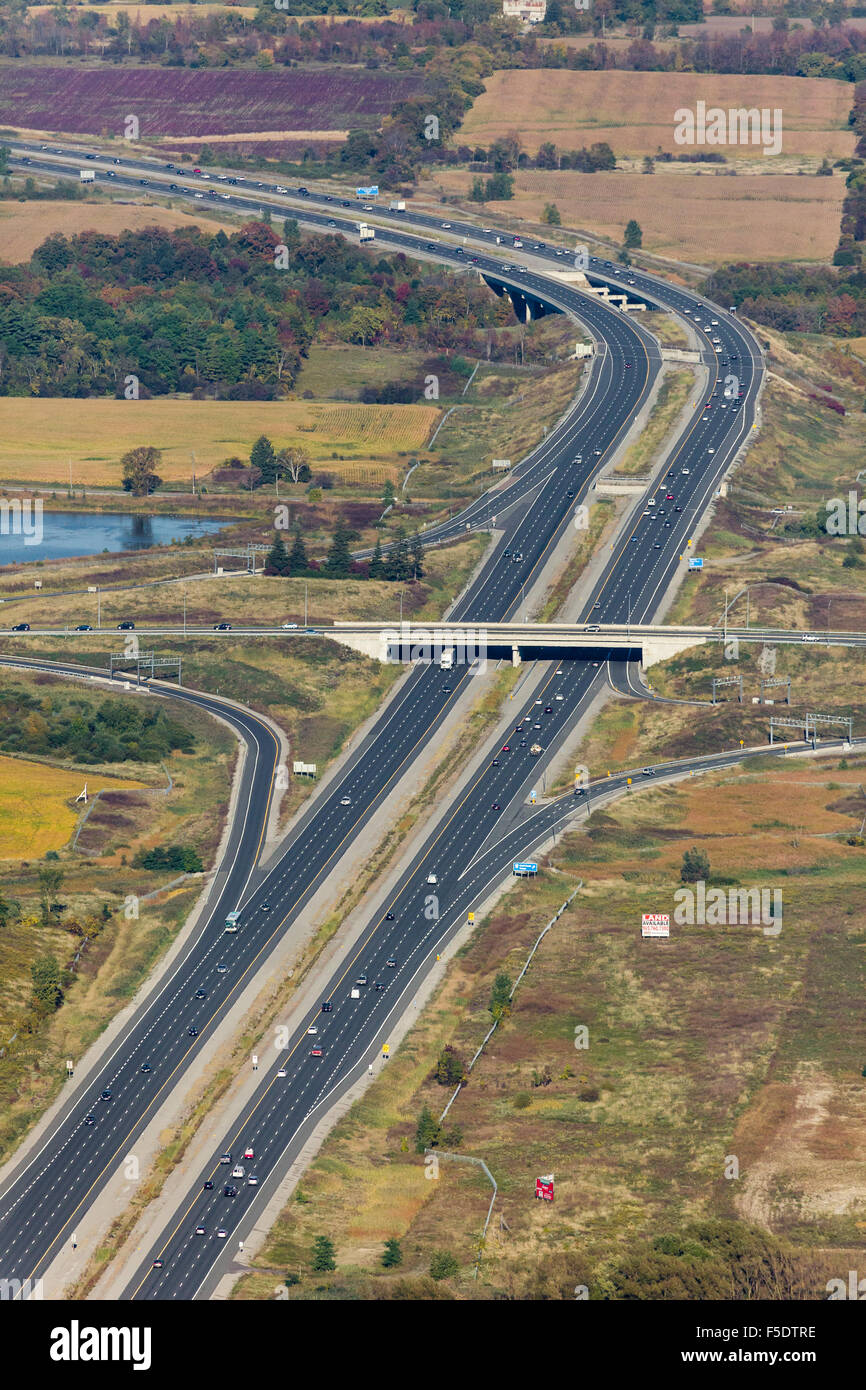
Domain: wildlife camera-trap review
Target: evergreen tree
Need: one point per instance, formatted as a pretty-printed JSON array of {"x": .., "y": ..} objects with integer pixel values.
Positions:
[
  {"x": 633, "y": 234},
  {"x": 417, "y": 558},
  {"x": 388, "y": 494},
  {"x": 263, "y": 458},
  {"x": 47, "y": 990},
  {"x": 323, "y": 1255},
  {"x": 392, "y": 1255},
  {"x": 696, "y": 866},
  {"x": 277, "y": 561},
  {"x": 500, "y": 1004},
  {"x": 298, "y": 563},
  {"x": 397, "y": 565},
  {"x": 339, "y": 562},
  {"x": 426, "y": 1131},
  {"x": 443, "y": 1265},
  {"x": 377, "y": 565},
  {"x": 450, "y": 1070}
]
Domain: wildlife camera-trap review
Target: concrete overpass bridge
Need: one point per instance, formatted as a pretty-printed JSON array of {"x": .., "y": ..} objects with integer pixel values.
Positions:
[{"x": 514, "y": 641}]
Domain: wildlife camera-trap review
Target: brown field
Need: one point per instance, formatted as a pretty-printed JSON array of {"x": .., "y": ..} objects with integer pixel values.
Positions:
[
  {"x": 634, "y": 111},
  {"x": 39, "y": 437},
  {"x": 707, "y": 218},
  {"x": 24, "y": 226}
]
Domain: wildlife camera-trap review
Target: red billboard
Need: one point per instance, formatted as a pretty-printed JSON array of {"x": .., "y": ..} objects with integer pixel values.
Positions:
[{"x": 544, "y": 1188}]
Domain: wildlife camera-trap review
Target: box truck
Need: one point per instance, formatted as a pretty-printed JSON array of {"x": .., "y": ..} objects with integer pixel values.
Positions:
[
  {"x": 366, "y": 233},
  {"x": 86, "y": 176}
]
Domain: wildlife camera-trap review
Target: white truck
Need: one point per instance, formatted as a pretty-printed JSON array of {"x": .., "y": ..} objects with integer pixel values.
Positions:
[
  {"x": 86, "y": 176},
  {"x": 365, "y": 232},
  {"x": 398, "y": 205},
  {"x": 446, "y": 660}
]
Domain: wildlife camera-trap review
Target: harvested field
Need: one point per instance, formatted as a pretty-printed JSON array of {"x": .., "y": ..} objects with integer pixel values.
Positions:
[
  {"x": 707, "y": 218},
  {"x": 36, "y": 813},
  {"x": 38, "y": 437},
  {"x": 634, "y": 111},
  {"x": 189, "y": 103},
  {"x": 24, "y": 226}
]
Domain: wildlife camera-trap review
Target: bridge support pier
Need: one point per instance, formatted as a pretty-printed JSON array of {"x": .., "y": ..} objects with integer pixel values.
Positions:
[{"x": 516, "y": 659}]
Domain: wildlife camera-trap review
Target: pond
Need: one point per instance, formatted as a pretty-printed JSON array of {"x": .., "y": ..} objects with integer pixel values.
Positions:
[{"x": 26, "y": 536}]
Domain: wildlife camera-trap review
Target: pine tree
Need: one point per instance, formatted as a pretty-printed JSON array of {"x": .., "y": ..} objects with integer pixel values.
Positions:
[
  {"x": 633, "y": 234},
  {"x": 500, "y": 996},
  {"x": 263, "y": 458},
  {"x": 417, "y": 558},
  {"x": 339, "y": 562},
  {"x": 392, "y": 1255},
  {"x": 298, "y": 562},
  {"x": 377, "y": 565},
  {"x": 426, "y": 1131},
  {"x": 397, "y": 564},
  {"x": 323, "y": 1255},
  {"x": 277, "y": 561}
]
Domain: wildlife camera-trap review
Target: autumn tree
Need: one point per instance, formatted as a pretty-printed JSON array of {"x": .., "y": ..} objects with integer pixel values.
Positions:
[{"x": 139, "y": 467}]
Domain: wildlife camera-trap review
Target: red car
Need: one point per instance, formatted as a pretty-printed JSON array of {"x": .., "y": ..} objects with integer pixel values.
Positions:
[
  {"x": 506, "y": 747},
  {"x": 249, "y": 1153},
  {"x": 315, "y": 1052}
]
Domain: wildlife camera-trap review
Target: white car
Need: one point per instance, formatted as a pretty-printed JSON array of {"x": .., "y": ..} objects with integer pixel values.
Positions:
[
  {"x": 684, "y": 470},
  {"x": 711, "y": 451},
  {"x": 293, "y": 626},
  {"x": 238, "y": 1170},
  {"x": 809, "y": 637},
  {"x": 312, "y": 1029},
  {"x": 281, "y": 1072},
  {"x": 345, "y": 801},
  {"x": 431, "y": 878}
]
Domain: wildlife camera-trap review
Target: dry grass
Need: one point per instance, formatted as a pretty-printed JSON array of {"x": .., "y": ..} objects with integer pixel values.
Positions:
[
  {"x": 642, "y": 454},
  {"x": 707, "y": 218},
  {"x": 634, "y": 111},
  {"x": 36, "y": 810},
  {"x": 38, "y": 437},
  {"x": 24, "y": 226}
]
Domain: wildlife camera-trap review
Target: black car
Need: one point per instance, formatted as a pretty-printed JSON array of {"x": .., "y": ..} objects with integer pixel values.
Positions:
[
  {"x": 222, "y": 627},
  {"x": 304, "y": 192},
  {"x": 327, "y": 1006},
  {"x": 389, "y": 916},
  {"x": 145, "y": 1066},
  {"x": 84, "y": 627},
  {"x": 106, "y": 1095},
  {"x": 21, "y": 627},
  {"x": 230, "y": 1191},
  {"x": 265, "y": 907},
  {"x": 391, "y": 964},
  {"x": 345, "y": 203},
  {"x": 126, "y": 626},
  {"x": 192, "y": 1032},
  {"x": 201, "y": 994},
  {"x": 90, "y": 1119},
  {"x": 208, "y": 1185}
]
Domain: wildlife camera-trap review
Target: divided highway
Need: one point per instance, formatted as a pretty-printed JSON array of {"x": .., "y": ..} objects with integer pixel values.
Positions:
[{"x": 468, "y": 853}]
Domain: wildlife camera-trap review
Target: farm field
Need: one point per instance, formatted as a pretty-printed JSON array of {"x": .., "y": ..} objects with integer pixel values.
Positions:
[
  {"x": 39, "y": 437},
  {"x": 34, "y": 815},
  {"x": 705, "y": 218},
  {"x": 191, "y": 103},
  {"x": 634, "y": 111},
  {"x": 24, "y": 226}
]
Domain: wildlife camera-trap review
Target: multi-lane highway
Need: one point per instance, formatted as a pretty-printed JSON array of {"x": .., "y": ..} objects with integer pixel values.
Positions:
[{"x": 468, "y": 852}]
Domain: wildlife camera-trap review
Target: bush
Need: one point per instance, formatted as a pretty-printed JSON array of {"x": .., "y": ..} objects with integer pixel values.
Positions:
[
  {"x": 178, "y": 857},
  {"x": 522, "y": 1100},
  {"x": 443, "y": 1265}
]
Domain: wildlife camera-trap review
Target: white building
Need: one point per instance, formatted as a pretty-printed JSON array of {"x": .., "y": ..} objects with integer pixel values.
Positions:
[{"x": 528, "y": 11}]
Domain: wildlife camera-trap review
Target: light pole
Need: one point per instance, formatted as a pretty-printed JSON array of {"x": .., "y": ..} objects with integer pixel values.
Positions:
[
  {"x": 306, "y": 591},
  {"x": 98, "y": 609},
  {"x": 184, "y": 612}
]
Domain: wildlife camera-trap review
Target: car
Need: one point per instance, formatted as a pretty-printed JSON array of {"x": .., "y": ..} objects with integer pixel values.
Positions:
[
  {"x": 192, "y": 1032},
  {"x": 677, "y": 509},
  {"x": 810, "y": 637},
  {"x": 315, "y": 1052},
  {"x": 331, "y": 222},
  {"x": 200, "y": 1231},
  {"x": 282, "y": 1072},
  {"x": 157, "y": 1264},
  {"x": 506, "y": 747},
  {"x": 238, "y": 1170},
  {"x": 230, "y": 1191},
  {"x": 146, "y": 1067},
  {"x": 208, "y": 1185},
  {"x": 669, "y": 497},
  {"x": 657, "y": 546},
  {"x": 249, "y": 1151},
  {"x": 361, "y": 980},
  {"x": 221, "y": 1233},
  {"x": 221, "y": 968},
  {"x": 90, "y": 1119},
  {"x": 225, "y": 1158},
  {"x": 252, "y": 1180},
  {"x": 389, "y": 916},
  {"x": 312, "y": 1028},
  {"x": 345, "y": 801},
  {"x": 291, "y": 626},
  {"x": 648, "y": 771},
  {"x": 105, "y": 1095},
  {"x": 126, "y": 626},
  {"x": 84, "y": 627},
  {"x": 684, "y": 471},
  {"x": 21, "y": 627},
  {"x": 222, "y": 627},
  {"x": 265, "y": 907},
  {"x": 548, "y": 709},
  {"x": 446, "y": 226},
  {"x": 711, "y": 451},
  {"x": 378, "y": 985},
  {"x": 198, "y": 195},
  {"x": 496, "y": 806},
  {"x": 431, "y": 246},
  {"x": 391, "y": 963},
  {"x": 327, "y": 1006},
  {"x": 579, "y": 791},
  {"x": 200, "y": 994},
  {"x": 344, "y": 203},
  {"x": 431, "y": 878}
]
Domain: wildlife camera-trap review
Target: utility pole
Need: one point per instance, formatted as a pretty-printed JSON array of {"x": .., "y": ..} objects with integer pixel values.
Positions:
[
  {"x": 306, "y": 588},
  {"x": 98, "y": 608},
  {"x": 184, "y": 612}
]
